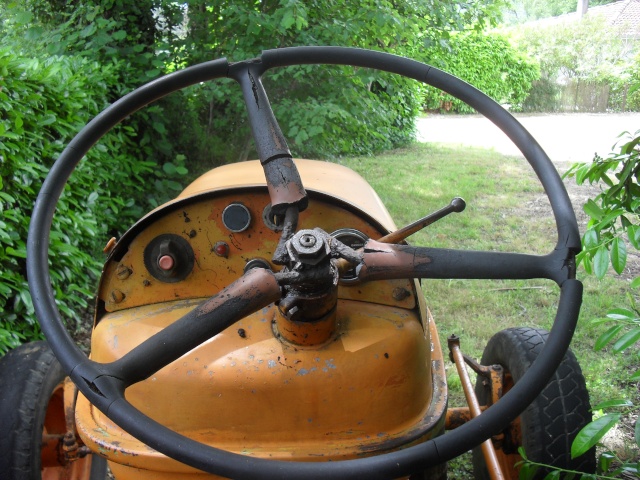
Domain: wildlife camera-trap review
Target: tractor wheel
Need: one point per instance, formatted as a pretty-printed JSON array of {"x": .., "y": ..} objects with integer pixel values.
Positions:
[
  {"x": 548, "y": 426},
  {"x": 31, "y": 405}
]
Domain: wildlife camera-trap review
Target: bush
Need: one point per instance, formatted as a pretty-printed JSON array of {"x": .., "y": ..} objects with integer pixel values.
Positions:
[
  {"x": 44, "y": 104},
  {"x": 586, "y": 52},
  {"x": 488, "y": 63}
]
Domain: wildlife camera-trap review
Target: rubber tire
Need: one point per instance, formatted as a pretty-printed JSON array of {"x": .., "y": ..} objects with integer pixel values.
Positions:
[
  {"x": 555, "y": 417},
  {"x": 28, "y": 376}
]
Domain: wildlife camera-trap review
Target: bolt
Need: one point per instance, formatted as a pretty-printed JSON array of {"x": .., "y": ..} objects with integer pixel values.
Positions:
[
  {"x": 307, "y": 240},
  {"x": 308, "y": 247},
  {"x": 123, "y": 272},
  {"x": 117, "y": 296},
  {"x": 400, "y": 293}
]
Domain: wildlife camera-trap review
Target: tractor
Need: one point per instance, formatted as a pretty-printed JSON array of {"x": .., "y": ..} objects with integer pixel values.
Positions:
[{"x": 269, "y": 323}]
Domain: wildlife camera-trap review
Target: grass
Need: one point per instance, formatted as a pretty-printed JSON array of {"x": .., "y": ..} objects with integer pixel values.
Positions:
[{"x": 507, "y": 211}]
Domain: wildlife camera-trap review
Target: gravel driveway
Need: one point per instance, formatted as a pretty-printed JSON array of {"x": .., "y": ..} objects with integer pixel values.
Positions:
[{"x": 567, "y": 138}]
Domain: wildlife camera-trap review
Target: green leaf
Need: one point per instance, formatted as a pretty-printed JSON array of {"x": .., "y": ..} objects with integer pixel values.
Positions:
[
  {"x": 169, "y": 168},
  {"x": 635, "y": 377},
  {"x": 618, "y": 255},
  {"x": 628, "y": 339},
  {"x": 604, "y": 462},
  {"x": 590, "y": 238},
  {"x": 617, "y": 402},
  {"x": 635, "y": 283},
  {"x": 636, "y": 431},
  {"x": 592, "y": 209},
  {"x": 23, "y": 17},
  {"x": 20, "y": 253},
  {"x": 119, "y": 35},
  {"x": 88, "y": 30},
  {"x": 608, "y": 218},
  {"x": 287, "y": 20},
  {"x": 633, "y": 232},
  {"x": 621, "y": 314},
  {"x": 527, "y": 472},
  {"x": 601, "y": 262},
  {"x": 591, "y": 434},
  {"x": 607, "y": 336},
  {"x": 159, "y": 127}
]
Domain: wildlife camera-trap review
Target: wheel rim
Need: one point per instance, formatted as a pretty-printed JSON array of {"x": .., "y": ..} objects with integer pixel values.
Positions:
[{"x": 394, "y": 464}]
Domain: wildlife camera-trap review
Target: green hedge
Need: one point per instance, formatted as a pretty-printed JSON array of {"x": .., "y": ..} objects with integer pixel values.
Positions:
[
  {"x": 43, "y": 104},
  {"x": 489, "y": 63}
]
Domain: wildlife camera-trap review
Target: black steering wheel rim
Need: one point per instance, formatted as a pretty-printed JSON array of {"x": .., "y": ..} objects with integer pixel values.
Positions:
[{"x": 389, "y": 465}]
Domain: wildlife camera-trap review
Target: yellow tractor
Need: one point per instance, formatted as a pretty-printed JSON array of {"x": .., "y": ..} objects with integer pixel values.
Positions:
[{"x": 268, "y": 323}]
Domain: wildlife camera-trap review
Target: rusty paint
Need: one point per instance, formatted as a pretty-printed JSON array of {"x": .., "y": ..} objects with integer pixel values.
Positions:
[
  {"x": 109, "y": 246},
  {"x": 382, "y": 260},
  {"x": 306, "y": 333},
  {"x": 491, "y": 459},
  {"x": 382, "y": 360},
  {"x": 62, "y": 454},
  {"x": 212, "y": 272},
  {"x": 510, "y": 440},
  {"x": 334, "y": 385}
]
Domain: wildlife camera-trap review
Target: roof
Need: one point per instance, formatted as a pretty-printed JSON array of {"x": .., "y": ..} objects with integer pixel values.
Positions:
[{"x": 624, "y": 14}]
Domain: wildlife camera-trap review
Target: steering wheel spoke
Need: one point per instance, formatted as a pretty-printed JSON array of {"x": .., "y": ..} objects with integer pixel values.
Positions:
[
  {"x": 254, "y": 290},
  {"x": 283, "y": 180},
  {"x": 389, "y": 261}
]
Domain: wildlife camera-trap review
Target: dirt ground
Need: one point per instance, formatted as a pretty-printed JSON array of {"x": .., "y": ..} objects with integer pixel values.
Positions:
[{"x": 567, "y": 138}]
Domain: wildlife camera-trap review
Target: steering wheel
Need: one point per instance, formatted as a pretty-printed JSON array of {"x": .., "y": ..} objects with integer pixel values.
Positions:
[{"x": 104, "y": 384}]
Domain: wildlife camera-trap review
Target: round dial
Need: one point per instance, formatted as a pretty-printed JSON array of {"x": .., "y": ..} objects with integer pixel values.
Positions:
[
  {"x": 236, "y": 217},
  {"x": 351, "y": 238}
]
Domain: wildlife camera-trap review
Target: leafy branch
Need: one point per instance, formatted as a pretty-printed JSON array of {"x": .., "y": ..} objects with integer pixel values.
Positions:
[{"x": 612, "y": 229}]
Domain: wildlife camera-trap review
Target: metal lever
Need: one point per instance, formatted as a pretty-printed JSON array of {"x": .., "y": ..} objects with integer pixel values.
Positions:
[{"x": 456, "y": 205}]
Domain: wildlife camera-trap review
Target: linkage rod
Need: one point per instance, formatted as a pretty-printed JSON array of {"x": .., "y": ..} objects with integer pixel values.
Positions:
[{"x": 490, "y": 457}]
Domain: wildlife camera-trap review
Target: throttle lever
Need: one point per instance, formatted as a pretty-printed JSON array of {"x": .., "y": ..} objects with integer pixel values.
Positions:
[{"x": 457, "y": 205}]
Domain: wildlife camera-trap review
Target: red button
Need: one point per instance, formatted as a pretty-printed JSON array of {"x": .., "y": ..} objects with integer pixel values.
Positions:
[{"x": 166, "y": 262}]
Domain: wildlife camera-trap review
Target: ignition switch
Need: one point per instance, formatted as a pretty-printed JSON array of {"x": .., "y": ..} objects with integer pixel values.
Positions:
[{"x": 169, "y": 258}]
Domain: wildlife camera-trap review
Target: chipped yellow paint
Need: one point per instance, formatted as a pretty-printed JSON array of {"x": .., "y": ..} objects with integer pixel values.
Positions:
[{"x": 376, "y": 385}]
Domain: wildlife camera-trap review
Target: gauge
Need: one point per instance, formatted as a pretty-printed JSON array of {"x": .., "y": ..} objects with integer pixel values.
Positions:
[
  {"x": 236, "y": 217},
  {"x": 257, "y": 263},
  {"x": 269, "y": 219},
  {"x": 354, "y": 239}
]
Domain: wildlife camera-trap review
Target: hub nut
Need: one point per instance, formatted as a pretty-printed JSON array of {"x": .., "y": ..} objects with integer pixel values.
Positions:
[{"x": 308, "y": 247}]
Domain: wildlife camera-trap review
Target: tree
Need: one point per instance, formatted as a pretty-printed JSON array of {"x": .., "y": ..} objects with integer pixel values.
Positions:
[
  {"x": 331, "y": 111},
  {"x": 589, "y": 51},
  {"x": 63, "y": 62}
]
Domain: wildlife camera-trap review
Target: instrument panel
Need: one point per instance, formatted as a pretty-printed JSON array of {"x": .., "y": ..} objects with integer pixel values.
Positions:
[{"x": 195, "y": 247}]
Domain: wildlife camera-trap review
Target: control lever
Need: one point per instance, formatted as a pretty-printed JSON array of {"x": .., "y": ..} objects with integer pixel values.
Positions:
[{"x": 457, "y": 205}]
